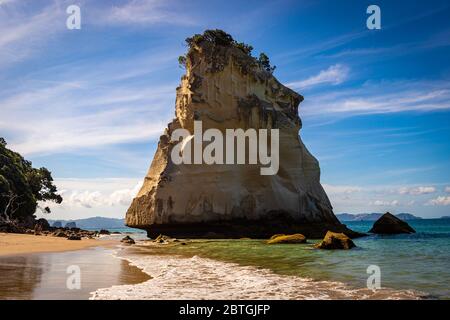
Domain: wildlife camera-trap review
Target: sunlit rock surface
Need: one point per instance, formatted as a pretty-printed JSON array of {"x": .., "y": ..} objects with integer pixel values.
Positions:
[{"x": 226, "y": 88}]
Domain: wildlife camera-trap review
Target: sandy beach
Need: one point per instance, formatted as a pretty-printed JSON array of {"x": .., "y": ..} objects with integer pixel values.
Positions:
[
  {"x": 13, "y": 244},
  {"x": 44, "y": 275}
]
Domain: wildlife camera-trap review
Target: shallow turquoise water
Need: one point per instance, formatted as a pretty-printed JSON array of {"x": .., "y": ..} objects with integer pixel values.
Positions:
[{"x": 418, "y": 261}]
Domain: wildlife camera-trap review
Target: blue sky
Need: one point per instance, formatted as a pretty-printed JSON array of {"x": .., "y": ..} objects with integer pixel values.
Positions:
[{"x": 90, "y": 104}]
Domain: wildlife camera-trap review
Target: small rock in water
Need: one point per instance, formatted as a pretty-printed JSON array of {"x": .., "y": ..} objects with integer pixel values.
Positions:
[
  {"x": 162, "y": 239},
  {"x": 390, "y": 224},
  {"x": 128, "y": 240},
  {"x": 335, "y": 240},
  {"x": 291, "y": 238}
]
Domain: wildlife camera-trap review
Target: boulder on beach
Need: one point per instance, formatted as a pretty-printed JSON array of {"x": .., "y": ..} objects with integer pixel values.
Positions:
[
  {"x": 42, "y": 224},
  {"x": 335, "y": 240},
  {"x": 162, "y": 239},
  {"x": 286, "y": 239},
  {"x": 9, "y": 227},
  {"x": 74, "y": 237},
  {"x": 128, "y": 240},
  {"x": 59, "y": 233},
  {"x": 105, "y": 232},
  {"x": 390, "y": 224}
]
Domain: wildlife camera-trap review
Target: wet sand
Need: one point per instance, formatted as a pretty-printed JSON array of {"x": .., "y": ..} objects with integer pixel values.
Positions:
[
  {"x": 44, "y": 275},
  {"x": 13, "y": 244}
]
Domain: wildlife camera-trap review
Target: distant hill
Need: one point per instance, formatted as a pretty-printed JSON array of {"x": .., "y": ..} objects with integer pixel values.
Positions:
[
  {"x": 407, "y": 216},
  {"x": 94, "y": 223},
  {"x": 445, "y": 217},
  {"x": 372, "y": 216}
]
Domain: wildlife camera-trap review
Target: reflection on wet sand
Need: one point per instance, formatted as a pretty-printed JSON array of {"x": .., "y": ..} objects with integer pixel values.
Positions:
[{"x": 44, "y": 275}]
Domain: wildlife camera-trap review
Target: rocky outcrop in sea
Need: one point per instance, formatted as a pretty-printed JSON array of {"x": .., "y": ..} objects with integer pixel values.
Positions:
[{"x": 226, "y": 88}]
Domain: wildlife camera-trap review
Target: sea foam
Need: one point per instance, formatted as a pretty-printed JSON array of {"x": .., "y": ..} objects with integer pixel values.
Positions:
[{"x": 178, "y": 277}]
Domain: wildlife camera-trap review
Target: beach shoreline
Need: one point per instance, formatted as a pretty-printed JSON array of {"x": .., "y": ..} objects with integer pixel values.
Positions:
[
  {"x": 17, "y": 244},
  {"x": 44, "y": 275},
  {"x": 176, "y": 276}
]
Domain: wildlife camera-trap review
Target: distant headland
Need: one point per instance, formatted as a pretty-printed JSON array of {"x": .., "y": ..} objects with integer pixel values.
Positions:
[{"x": 373, "y": 216}]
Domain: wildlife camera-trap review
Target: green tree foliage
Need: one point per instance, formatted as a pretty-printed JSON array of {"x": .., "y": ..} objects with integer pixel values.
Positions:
[
  {"x": 182, "y": 61},
  {"x": 220, "y": 37},
  {"x": 246, "y": 48},
  {"x": 216, "y": 36},
  {"x": 265, "y": 63},
  {"x": 22, "y": 186}
]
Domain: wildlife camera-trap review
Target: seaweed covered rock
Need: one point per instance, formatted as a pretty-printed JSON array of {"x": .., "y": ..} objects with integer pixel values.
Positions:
[
  {"x": 287, "y": 239},
  {"x": 335, "y": 240},
  {"x": 390, "y": 224}
]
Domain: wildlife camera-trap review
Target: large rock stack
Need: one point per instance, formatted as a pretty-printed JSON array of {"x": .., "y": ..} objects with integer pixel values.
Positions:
[{"x": 226, "y": 88}]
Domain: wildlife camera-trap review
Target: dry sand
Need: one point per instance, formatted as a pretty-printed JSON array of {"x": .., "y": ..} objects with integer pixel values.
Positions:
[{"x": 12, "y": 243}]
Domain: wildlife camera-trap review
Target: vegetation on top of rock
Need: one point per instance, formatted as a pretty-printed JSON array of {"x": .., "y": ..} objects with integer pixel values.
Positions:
[
  {"x": 216, "y": 36},
  {"x": 246, "y": 48},
  {"x": 219, "y": 37},
  {"x": 22, "y": 186},
  {"x": 265, "y": 63},
  {"x": 182, "y": 61}
]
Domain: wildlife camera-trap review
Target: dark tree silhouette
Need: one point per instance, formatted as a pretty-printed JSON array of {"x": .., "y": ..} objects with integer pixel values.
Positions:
[{"x": 22, "y": 186}]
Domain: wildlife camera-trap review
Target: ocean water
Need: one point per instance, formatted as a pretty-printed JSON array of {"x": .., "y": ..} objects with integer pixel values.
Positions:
[
  {"x": 412, "y": 266},
  {"x": 121, "y": 230}
]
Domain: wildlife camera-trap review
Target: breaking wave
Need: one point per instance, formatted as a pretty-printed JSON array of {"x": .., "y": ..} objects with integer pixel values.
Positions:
[{"x": 178, "y": 277}]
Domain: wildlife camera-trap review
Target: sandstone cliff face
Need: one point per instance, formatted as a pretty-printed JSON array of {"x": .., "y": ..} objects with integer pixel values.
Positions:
[{"x": 225, "y": 88}]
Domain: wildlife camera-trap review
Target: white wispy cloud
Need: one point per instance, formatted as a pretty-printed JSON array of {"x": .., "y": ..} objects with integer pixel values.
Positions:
[
  {"x": 82, "y": 103},
  {"x": 23, "y": 34},
  {"x": 383, "y": 203},
  {"x": 28, "y": 28},
  {"x": 320, "y": 46},
  {"x": 376, "y": 198},
  {"x": 86, "y": 106},
  {"x": 89, "y": 197},
  {"x": 437, "y": 40},
  {"x": 339, "y": 189},
  {"x": 59, "y": 118},
  {"x": 93, "y": 199},
  {"x": 381, "y": 97},
  {"x": 440, "y": 201},
  {"x": 416, "y": 190},
  {"x": 334, "y": 75},
  {"x": 145, "y": 12}
]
